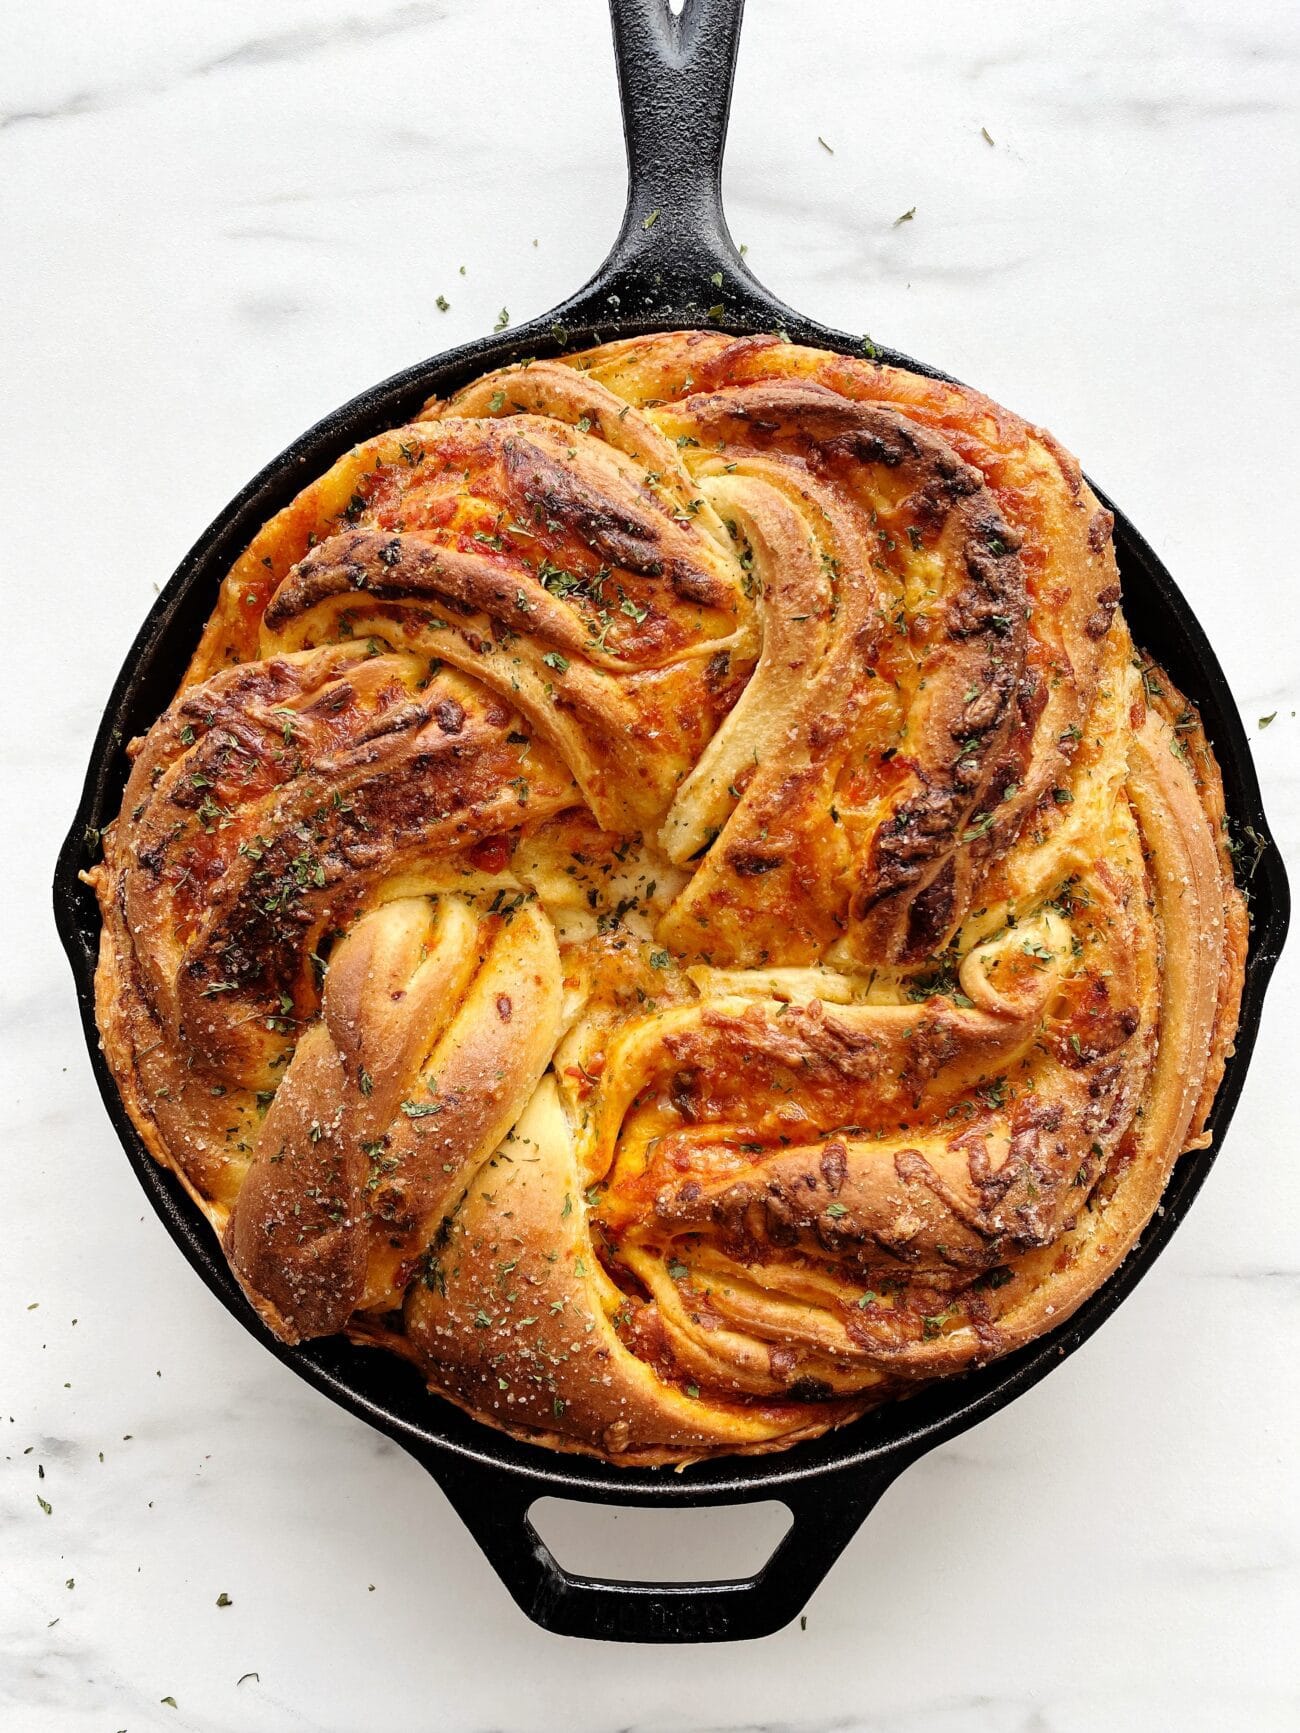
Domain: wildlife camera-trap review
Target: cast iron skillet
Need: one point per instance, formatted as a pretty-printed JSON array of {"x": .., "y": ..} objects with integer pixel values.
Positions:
[{"x": 675, "y": 77}]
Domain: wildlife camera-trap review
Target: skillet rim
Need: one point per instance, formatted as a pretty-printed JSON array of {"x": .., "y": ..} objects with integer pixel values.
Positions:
[{"x": 675, "y": 74}]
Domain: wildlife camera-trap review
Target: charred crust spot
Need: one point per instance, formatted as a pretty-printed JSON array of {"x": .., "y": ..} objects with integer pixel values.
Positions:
[
  {"x": 450, "y": 715},
  {"x": 692, "y": 584},
  {"x": 886, "y": 445},
  {"x": 1098, "y": 622},
  {"x": 833, "y": 432},
  {"x": 835, "y": 1230},
  {"x": 921, "y": 829},
  {"x": 717, "y": 671},
  {"x": 1099, "y": 1033},
  {"x": 399, "y": 720},
  {"x": 781, "y": 1363},
  {"x": 683, "y": 1092},
  {"x": 834, "y": 1165},
  {"x": 779, "y": 1220},
  {"x": 933, "y": 1045},
  {"x": 332, "y": 700},
  {"x": 992, "y": 602},
  {"x": 749, "y": 863},
  {"x": 985, "y": 709},
  {"x": 1031, "y": 700},
  {"x": 810, "y": 1390},
  {"x": 730, "y": 1212},
  {"x": 825, "y": 732},
  {"x": 1099, "y": 530},
  {"x": 931, "y": 914},
  {"x": 610, "y": 531}
]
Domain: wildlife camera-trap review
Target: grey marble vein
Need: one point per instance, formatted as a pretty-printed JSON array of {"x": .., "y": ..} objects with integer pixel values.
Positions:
[{"x": 271, "y": 49}]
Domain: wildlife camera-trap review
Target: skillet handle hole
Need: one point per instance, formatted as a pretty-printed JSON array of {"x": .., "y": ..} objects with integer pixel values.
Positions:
[{"x": 642, "y": 1543}]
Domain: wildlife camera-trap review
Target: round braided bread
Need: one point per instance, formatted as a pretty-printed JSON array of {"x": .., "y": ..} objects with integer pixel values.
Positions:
[{"x": 667, "y": 896}]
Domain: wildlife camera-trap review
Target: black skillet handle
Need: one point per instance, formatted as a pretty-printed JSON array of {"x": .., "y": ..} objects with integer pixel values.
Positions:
[
  {"x": 674, "y": 82},
  {"x": 495, "y": 1508},
  {"x": 674, "y": 257},
  {"x": 674, "y": 261}
]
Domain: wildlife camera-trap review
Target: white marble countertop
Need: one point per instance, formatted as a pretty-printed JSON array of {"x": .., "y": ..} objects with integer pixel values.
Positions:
[{"x": 222, "y": 220}]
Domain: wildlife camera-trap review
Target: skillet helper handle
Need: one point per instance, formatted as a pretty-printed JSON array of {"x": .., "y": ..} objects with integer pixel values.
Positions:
[
  {"x": 674, "y": 79},
  {"x": 495, "y": 1505}
]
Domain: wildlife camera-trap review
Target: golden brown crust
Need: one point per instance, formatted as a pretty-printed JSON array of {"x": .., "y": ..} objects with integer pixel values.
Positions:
[{"x": 667, "y": 898}]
